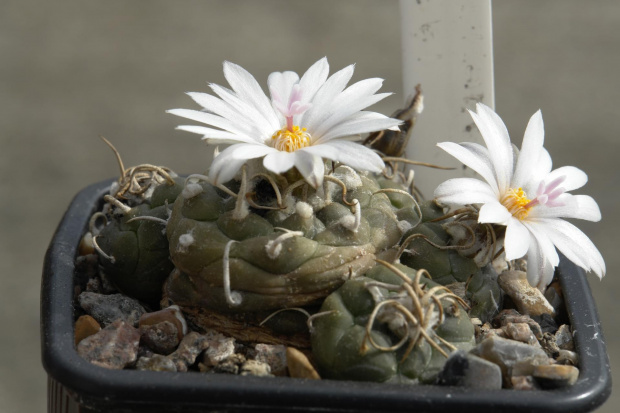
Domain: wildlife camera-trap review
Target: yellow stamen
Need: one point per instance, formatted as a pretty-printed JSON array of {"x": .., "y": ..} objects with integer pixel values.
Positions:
[
  {"x": 517, "y": 203},
  {"x": 291, "y": 140}
]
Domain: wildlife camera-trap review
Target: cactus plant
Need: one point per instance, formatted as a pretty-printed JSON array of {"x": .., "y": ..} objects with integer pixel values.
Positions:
[
  {"x": 132, "y": 246},
  {"x": 392, "y": 325},
  {"x": 292, "y": 250}
]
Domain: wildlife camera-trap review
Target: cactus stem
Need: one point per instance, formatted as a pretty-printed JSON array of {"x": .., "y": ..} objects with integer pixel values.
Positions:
[
  {"x": 100, "y": 251},
  {"x": 419, "y": 315},
  {"x": 233, "y": 298},
  {"x": 274, "y": 246}
]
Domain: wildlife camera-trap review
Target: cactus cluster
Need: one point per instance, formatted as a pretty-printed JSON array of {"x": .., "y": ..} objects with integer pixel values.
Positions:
[{"x": 265, "y": 243}]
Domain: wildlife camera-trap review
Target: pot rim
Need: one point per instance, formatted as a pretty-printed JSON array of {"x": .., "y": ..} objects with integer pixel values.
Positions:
[{"x": 140, "y": 388}]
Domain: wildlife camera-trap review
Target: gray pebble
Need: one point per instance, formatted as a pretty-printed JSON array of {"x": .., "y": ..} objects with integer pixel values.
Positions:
[
  {"x": 106, "y": 309},
  {"x": 468, "y": 370},
  {"x": 514, "y": 358},
  {"x": 564, "y": 338}
]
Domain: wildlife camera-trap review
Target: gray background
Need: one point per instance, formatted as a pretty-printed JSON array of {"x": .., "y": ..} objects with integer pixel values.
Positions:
[{"x": 72, "y": 70}]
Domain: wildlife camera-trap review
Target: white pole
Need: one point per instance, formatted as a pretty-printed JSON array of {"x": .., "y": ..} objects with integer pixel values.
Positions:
[{"x": 447, "y": 48}]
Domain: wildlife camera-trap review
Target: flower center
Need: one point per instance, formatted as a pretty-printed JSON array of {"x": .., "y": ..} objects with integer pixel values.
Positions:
[
  {"x": 290, "y": 140},
  {"x": 517, "y": 203}
]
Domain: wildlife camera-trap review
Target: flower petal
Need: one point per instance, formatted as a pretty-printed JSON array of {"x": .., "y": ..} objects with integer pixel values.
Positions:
[
  {"x": 498, "y": 143},
  {"x": 575, "y": 177},
  {"x": 539, "y": 231},
  {"x": 264, "y": 125},
  {"x": 216, "y": 136},
  {"x": 575, "y": 206},
  {"x": 540, "y": 171},
  {"x": 494, "y": 213},
  {"x": 531, "y": 148},
  {"x": 224, "y": 167},
  {"x": 280, "y": 85},
  {"x": 463, "y": 191},
  {"x": 217, "y": 106},
  {"x": 359, "y": 124},
  {"x": 539, "y": 269},
  {"x": 516, "y": 240},
  {"x": 213, "y": 120},
  {"x": 324, "y": 96},
  {"x": 311, "y": 167},
  {"x": 248, "y": 90},
  {"x": 279, "y": 161},
  {"x": 352, "y": 154},
  {"x": 314, "y": 78},
  {"x": 356, "y": 97},
  {"x": 251, "y": 151},
  {"x": 575, "y": 245},
  {"x": 468, "y": 156}
]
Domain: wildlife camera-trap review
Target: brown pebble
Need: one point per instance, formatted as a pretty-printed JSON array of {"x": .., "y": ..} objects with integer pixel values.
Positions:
[
  {"x": 274, "y": 355},
  {"x": 190, "y": 347},
  {"x": 521, "y": 332},
  {"x": 299, "y": 366},
  {"x": 85, "y": 326},
  {"x": 512, "y": 316},
  {"x": 114, "y": 347},
  {"x": 568, "y": 357},
  {"x": 255, "y": 368},
  {"x": 157, "y": 362},
  {"x": 171, "y": 314},
  {"x": 549, "y": 345},
  {"x": 162, "y": 337},
  {"x": 555, "y": 375}
]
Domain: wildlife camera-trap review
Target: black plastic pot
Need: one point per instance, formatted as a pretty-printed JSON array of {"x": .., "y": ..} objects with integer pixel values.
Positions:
[{"x": 78, "y": 386}]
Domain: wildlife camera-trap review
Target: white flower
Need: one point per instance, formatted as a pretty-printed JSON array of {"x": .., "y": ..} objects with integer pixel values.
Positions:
[
  {"x": 305, "y": 120},
  {"x": 524, "y": 194}
]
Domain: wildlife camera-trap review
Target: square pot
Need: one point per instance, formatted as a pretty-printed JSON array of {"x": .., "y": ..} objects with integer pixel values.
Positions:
[{"x": 75, "y": 385}]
